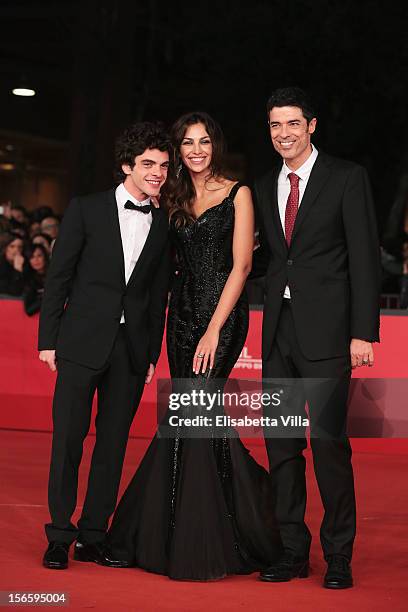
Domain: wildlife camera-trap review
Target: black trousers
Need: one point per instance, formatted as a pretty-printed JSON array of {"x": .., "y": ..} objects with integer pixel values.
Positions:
[
  {"x": 327, "y": 402},
  {"x": 119, "y": 392}
]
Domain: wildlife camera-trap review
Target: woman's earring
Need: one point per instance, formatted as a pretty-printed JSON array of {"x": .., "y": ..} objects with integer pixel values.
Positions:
[{"x": 178, "y": 171}]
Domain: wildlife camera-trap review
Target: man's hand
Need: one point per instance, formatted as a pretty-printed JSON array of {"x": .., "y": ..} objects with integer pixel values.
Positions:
[
  {"x": 149, "y": 374},
  {"x": 362, "y": 353},
  {"x": 48, "y": 357}
]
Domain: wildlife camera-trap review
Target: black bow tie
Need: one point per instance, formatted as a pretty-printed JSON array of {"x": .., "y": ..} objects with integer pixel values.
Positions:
[{"x": 144, "y": 209}]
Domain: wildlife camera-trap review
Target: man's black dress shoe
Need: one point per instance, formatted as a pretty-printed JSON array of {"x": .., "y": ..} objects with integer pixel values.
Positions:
[
  {"x": 289, "y": 566},
  {"x": 97, "y": 553},
  {"x": 56, "y": 555},
  {"x": 338, "y": 575}
]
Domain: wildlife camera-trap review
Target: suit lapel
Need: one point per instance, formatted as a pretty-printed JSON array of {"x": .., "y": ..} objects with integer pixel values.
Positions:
[
  {"x": 271, "y": 211},
  {"x": 150, "y": 240},
  {"x": 117, "y": 247},
  {"x": 275, "y": 211},
  {"x": 318, "y": 177}
]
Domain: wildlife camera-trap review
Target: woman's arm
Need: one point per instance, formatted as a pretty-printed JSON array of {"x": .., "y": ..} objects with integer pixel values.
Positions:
[{"x": 242, "y": 249}]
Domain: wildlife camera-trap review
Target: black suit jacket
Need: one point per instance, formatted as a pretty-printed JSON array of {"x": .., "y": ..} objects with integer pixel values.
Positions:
[
  {"x": 87, "y": 274},
  {"x": 332, "y": 266}
]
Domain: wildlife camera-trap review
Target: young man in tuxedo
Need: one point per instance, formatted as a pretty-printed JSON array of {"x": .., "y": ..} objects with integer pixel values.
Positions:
[
  {"x": 101, "y": 328},
  {"x": 320, "y": 254}
]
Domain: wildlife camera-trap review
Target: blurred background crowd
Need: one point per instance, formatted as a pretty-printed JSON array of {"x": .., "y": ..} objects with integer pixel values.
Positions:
[
  {"x": 26, "y": 241},
  {"x": 27, "y": 238},
  {"x": 394, "y": 250}
]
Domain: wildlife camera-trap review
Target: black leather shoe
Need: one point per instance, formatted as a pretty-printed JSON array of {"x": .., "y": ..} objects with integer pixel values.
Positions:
[
  {"x": 97, "y": 553},
  {"x": 56, "y": 555},
  {"x": 289, "y": 566},
  {"x": 338, "y": 575}
]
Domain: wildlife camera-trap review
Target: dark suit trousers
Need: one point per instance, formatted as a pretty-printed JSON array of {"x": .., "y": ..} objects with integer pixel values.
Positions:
[
  {"x": 330, "y": 446},
  {"x": 119, "y": 392}
]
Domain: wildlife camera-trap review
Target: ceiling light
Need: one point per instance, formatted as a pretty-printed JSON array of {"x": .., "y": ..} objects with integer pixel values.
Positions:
[
  {"x": 23, "y": 87},
  {"x": 23, "y": 91}
]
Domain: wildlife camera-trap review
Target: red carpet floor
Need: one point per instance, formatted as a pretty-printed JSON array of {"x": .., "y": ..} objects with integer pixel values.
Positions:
[{"x": 380, "y": 562}]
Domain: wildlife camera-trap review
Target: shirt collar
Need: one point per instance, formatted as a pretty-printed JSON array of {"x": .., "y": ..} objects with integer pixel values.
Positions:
[
  {"x": 122, "y": 196},
  {"x": 305, "y": 169}
]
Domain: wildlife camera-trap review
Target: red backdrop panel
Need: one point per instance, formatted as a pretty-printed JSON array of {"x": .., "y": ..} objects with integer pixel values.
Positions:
[{"x": 26, "y": 384}]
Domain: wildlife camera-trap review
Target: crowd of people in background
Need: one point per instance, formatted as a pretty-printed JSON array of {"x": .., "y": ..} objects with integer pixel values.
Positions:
[
  {"x": 395, "y": 247},
  {"x": 26, "y": 241},
  {"x": 27, "y": 238}
]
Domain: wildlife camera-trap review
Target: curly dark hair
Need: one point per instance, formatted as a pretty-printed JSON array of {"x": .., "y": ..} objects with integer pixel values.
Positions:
[
  {"x": 179, "y": 191},
  {"x": 292, "y": 96},
  {"x": 134, "y": 141}
]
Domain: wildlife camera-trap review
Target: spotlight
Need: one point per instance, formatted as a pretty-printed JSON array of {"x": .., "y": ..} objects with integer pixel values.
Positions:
[{"x": 23, "y": 89}]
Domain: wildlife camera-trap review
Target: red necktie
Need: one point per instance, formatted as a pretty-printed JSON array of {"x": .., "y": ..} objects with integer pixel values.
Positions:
[{"x": 291, "y": 206}]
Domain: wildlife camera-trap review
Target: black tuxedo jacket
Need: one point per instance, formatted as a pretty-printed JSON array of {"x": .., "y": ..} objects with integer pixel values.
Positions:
[
  {"x": 332, "y": 266},
  {"x": 87, "y": 274}
]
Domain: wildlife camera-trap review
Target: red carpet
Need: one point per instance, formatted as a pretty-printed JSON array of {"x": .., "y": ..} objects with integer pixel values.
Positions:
[{"x": 380, "y": 562}]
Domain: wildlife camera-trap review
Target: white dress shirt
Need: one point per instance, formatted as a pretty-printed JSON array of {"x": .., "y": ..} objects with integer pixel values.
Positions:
[
  {"x": 134, "y": 229},
  {"x": 284, "y": 189}
]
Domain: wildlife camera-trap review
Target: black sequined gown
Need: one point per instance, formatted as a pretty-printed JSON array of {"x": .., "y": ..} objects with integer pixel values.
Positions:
[{"x": 199, "y": 509}]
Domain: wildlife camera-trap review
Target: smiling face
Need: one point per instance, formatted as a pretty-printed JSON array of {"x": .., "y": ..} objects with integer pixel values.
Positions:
[
  {"x": 290, "y": 133},
  {"x": 196, "y": 148},
  {"x": 148, "y": 174}
]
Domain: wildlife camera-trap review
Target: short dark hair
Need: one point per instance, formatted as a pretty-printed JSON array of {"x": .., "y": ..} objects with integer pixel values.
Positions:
[
  {"x": 134, "y": 140},
  {"x": 51, "y": 216},
  {"x": 292, "y": 96},
  {"x": 20, "y": 208},
  {"x": 40, "y": 213},
  {"x": 45, "y": 236}
]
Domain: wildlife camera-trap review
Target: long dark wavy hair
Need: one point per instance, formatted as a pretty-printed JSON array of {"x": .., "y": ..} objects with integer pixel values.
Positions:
[{"x": 179, "y": 192}]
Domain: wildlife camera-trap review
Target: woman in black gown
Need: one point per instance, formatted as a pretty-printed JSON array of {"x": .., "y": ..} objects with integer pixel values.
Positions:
[{"x": 201, "y": 508}]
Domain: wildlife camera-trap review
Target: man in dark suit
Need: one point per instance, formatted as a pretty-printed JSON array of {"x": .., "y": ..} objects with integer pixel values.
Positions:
[
  {"x": 320, "y": 254},
  {"x": 101, "y": 327}
]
